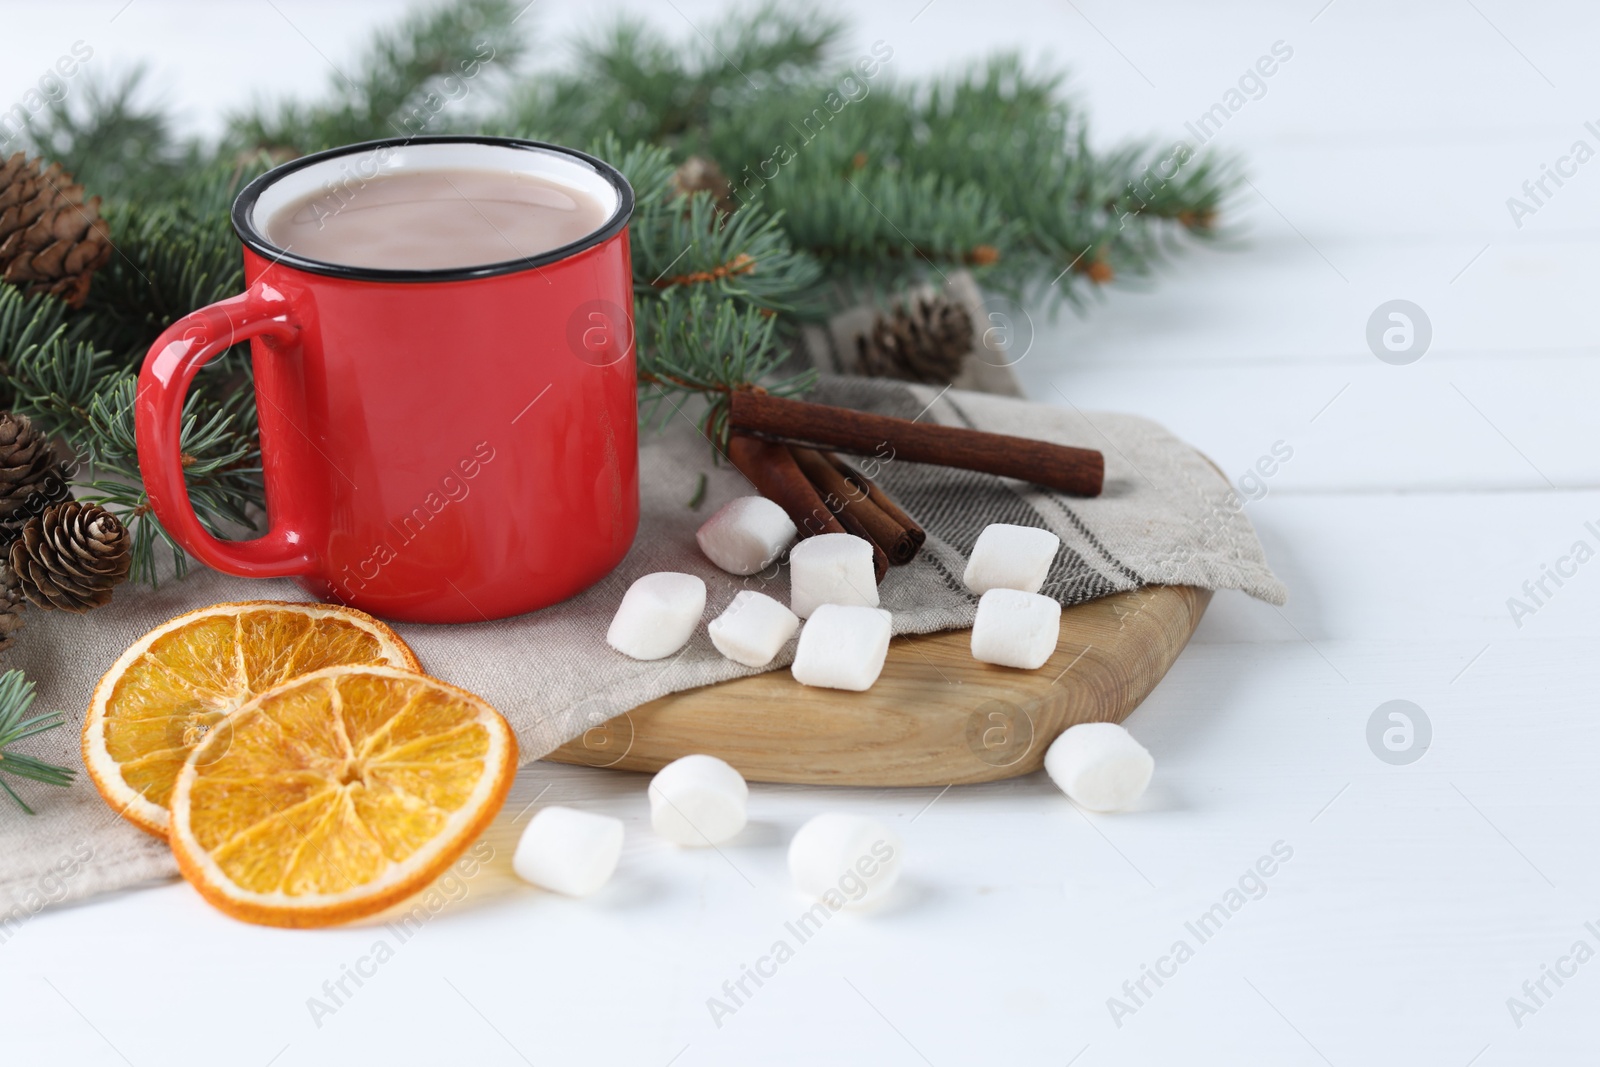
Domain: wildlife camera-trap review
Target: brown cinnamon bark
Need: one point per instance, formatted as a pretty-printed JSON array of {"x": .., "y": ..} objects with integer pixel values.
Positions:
[
  {"x": 1079, "y": 471},
  {"x": 850, "y": 503},
  {"x": 912, "y": 528},
  {"x": 852, "y": 525},
  {"x": 776, "y": 476},
  {"x": 880, "y": 558}
]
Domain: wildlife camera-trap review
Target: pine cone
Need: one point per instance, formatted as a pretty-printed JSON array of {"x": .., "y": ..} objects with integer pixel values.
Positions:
[
  {"x": 925, "y": 342},
  {"x": 31, "y": 478},
  {"x": 71, "y": 557},
  {"x": 11, "y": 605},
  {"x": 52, "y": 240}
]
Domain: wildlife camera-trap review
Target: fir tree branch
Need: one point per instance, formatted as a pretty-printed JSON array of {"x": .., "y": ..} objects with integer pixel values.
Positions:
[
  {"x": 682, "y": 241},
  {"x": 745, "y": 256},
  {"x": 172, "y": 255},
  {"x": 221, "y": 457},
  {"x": 16, "y": 696},
  {"x": 386, "y": 92},
  {"x": 693, "y": 344},
  {"x": 86, "y": 395},
  {"x": 990, "y": 168},
  {"x": 705, "y": 329},
  {"x": 110, "y": 135},
  {"x": 632, "y": 80}
]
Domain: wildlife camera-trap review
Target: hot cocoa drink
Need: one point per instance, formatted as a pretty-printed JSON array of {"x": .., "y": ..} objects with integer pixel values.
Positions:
[{"x": 436, "y": 219}]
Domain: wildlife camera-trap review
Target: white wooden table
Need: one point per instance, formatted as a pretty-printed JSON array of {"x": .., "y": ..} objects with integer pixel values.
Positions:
[{"x": 1418, "y": 897}]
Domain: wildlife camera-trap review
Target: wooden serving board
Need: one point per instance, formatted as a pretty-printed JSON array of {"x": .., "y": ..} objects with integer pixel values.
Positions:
[{"x": 935, "y": 717}]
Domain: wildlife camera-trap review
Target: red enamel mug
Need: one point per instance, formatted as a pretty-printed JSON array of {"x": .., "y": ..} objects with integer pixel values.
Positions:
[{"x": 437, "y": 445}]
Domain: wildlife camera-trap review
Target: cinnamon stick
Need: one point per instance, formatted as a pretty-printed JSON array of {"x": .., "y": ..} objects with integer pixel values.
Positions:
[
  {"x": 776, "y": 476},
  {"x": 852, "y": 525},
  {"x": 850, "y": 504},
  {"x": 912, "y": 528},
  {"x": 1079, "y": 471}
]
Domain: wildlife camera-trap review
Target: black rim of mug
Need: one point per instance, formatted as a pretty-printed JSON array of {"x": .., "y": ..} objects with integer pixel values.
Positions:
[{"x": 256, "y": 241}]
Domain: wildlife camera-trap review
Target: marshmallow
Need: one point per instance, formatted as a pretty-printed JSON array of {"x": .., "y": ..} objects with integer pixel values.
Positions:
[
  {"x": 698, "y": 800},
  {"x": 832, "y": 568},
  {"x": 568, "y": 851},
  {"x": 1010, "y": 557},
  {"x": 842, "y": 647},
  {"x": 746, "y": 534},
  {"x": 657, "y": 615},
  {"x": 753, "y": 628},
  {"x": 844, "y": 860},
  {"x": 1099, "y": 765},
  {"x": 1015, "y": 629}
]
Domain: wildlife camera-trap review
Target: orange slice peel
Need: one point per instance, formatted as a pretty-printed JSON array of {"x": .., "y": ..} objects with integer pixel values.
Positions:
[
  {"x": 338, "y": 794},
  {"x": 165, "y": 694}
]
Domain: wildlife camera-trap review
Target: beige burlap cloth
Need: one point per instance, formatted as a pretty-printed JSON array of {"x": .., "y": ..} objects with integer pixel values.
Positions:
[{"x": 1166, "y": 517}]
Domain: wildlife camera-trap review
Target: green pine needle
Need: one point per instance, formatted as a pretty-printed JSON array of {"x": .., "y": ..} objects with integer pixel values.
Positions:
[
  {"x": 16, "y": 696},
  {"x": 699, "y": 495}
]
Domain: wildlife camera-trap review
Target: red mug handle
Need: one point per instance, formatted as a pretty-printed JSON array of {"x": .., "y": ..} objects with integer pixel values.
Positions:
[{"x": 169, "y": 367}]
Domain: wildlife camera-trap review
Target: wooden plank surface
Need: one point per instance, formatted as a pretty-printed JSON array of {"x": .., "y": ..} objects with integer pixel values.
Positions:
[{"x": 936, "y": 716}]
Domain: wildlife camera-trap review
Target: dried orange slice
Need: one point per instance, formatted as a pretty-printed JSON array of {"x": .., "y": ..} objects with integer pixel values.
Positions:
[
  {"x": 337, "y": 794},
  {"x": 178, "y": 681}
]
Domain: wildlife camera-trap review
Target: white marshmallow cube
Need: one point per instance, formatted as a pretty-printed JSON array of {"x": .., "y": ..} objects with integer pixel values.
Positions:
[
  {"x": 746, "y": 534},
  {"x": 753, "y": 628},
  {"x": 698, "y": 800},
  {"x": 568, "y": 851},
  {"x": 1015, "y": 629},
  {"x": 845, "y": 860},
  {"x": 832, "y": 568},
  {"x": 1099, "y": 765},
  {"x": 842, "y": 647},
  {"x": 1010, "y": 557},
  {"x": 657, "y": 615}
]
